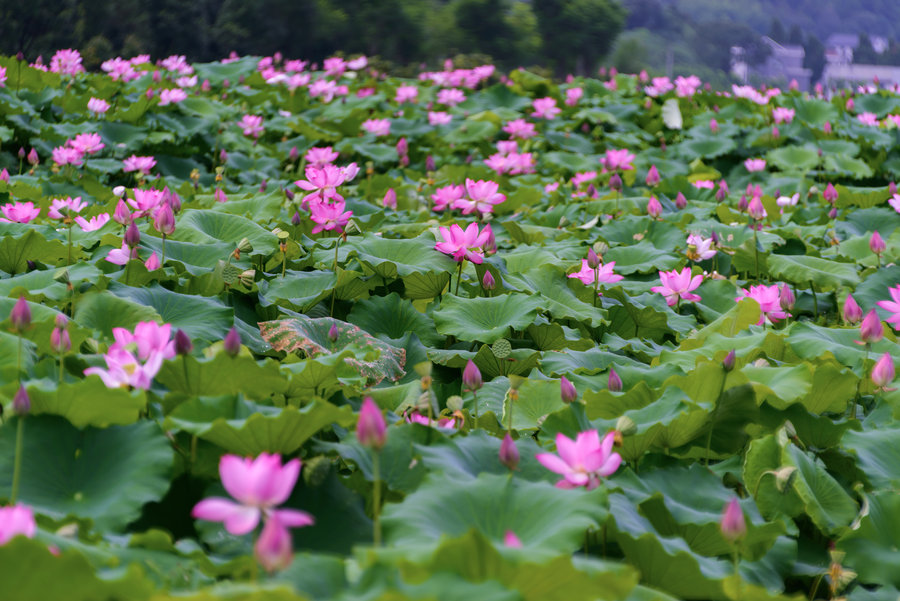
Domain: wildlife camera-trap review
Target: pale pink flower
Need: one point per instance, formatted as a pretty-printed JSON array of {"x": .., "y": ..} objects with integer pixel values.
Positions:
[
  {"x": 94, "y": 224},
  {"x": 88, "y": 143},
  {"x": 177, "y": 63},
  {"x": 583, "y": 461},
  {"x": 124, "y": 369},
  {"x": 406, "y": 94},
  {"x": 439, "y": 118},
  {"x": 753, "y": 165},
  {"x": 259, "y": 485},
  {"x": 358, "y": 63},
  {"x": 545, "y": 108},
  {"x": 464, "y": 244},
  {"x": 334, "y": 66},
  {"x": 573, "y": 95},
  {"x": 788, "y": 201},
  {"x": 782, "y": 115},
  {"x": 519, "y": 128},
  {"x": 451, "y": 97},
  {"x": 16, "y": 520},
  {"x": 618, "y": 160},
  {"x": 377, "y": 127},
  {"x": 700, "y": 248},
  {"x": 329, "y": 216},
  {"x": 98, "y": 105},
  {"x": 66, "y": 62},
  {"x": 883, "y": 372},
  {"x": 892, "y": 306},
  {"x": 732, "y": 525},
  {"x": 686, "y": 86},
  {"x": 320, "y": 156},
  {"x": 62, "y": 208},
  {"x": 445, "y": 197},
  {"x": 658, "y": 86},
  {"x": 251, "y": 125},
  {"x": 769, "y": 299},
  {"x": 325, "y": 88},
  {"x": 482, "y": 195},
  {"x": 704, "y": 184},
  {"x": 444, "y": 423},
  {"x": 140, "y": 164},
  {"x": 149, "y": 338},
  {"x": 186, "y": 82},
  {"x": 604, "y": 273},
  {"x": 171, "y": 96},
  {"x": 20, "y": 212},
  {"x": 678, "y": 285},
  {"x": 868, "y": 118},
  {"x": 152, "y": 262}
]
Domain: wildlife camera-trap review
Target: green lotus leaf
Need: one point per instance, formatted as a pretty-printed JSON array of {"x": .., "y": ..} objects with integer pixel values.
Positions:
[
  {"x": 223, "y": 374},
  {"x": 485, "y": 319},
  {"x": 393, "y": 316},
  {"x": 824, "y": 500},
  {"x": 824, "y": 274},
  {"x": 87, "y": 402},
  {"x": 205, "y": 227},
  {"x": 871, "y": 548},
  {"x": 31, "y": 246},
  {"x": 200, "y": 317},
  {"x": 793, "y": 158},
  {"x": 706, "y": 147},
  {"x": 103, "y": 311}
]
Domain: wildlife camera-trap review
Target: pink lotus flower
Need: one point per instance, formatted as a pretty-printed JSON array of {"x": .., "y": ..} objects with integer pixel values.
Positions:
[
  {"x": 251, "y": 125},
  {"x": 145, "y": 202},
  {"x": 892, "y": 306},
  {"x": 319, "y": 157},
  {"x": 66, "y": 62},
  {"x": 852, "y": 312},
  {"x": 754, "y": 165},
  {"x": 451, "y": 97},
  {"x": 894, "y": 201},
  {"x": 152, "y": 262},
  {"x": 329, "y": 216},
  {"x": 704, "y": 184},
  {"x": 545, "y": 108},
  {"x": 16, "y": 520},
  {"x": 685, "y": 87},
  {"x": 87, "y": 143},
  {"x": 149, "y": 338},
  {"x": 444, "y": 423},
  {"x": 519, "y": 128},
  {"x": 573, "y": 95},
  {"x": 732, "y": 525},
  {"x": 583, "y": 461},
  {"x": 769, "y": 299},
  {"x": 334, "y": 66},
  {"x": 464, "y": 244},
  {"x": 604, "y": 273},
  {"x": 377, "y": 127},
  {"x": 358, "y": 63},
  {"x": 140, "y": 164},
  {"x": 119, "y": 69},
  {"x": 259, "y": 485},
  {"x": 323, "y": 183},
  {"x": 121, "y": 256},
  {"x": 618, "y": 160},
  {"x": 782, "y": 115},
  {"x": 124, "y": 369},
  {"x": 482, "y": 196},
  {"x": 406, "y": 94},
  {"x": 511, "y": 540},
  {"x": 172, "y": 96},
  {"x": 19, "y": 212},
  {"x": 94, "y": 223},
  {"x": 439, "y": 118},
  {"x": 678, "y": 285},
  {"x": 756, "y": 210},
  {"x": 700, "y": 248},
  {"x": 883, "y": 372},
  {"x": 654, "y": 207},
  {"x": 66, "y": 155},
  {"x": 164, "y": 219},
  {"x": 446, "y": 196},
  {"x": 62, "y": 209},
  {"x": 868, "y": 118},
  {"x": 2, "y": 77},
  {"x": 871, "y": 329},
  {"x": 371, "y": 429}
]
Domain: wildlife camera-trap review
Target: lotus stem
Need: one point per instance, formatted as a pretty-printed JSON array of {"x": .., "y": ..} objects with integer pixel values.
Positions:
[
  {"x": 459, "y": 276},
  {"x": 17, "y": 462},
  {"x": 376, "y": 498},
  {"x": 815, "y": 299}
]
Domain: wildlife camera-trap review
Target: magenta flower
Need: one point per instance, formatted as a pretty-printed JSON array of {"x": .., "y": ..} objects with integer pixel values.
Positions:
[
  {"x": 883, "y": 372},
  {"x": 121, "y": 256},
  {"x": 519, "y": 128},
  {"x": 464, "y": 244},
  {"x": 685, "y": 87},
  {"x": 753, "y": 165},
  {"x": 319, "y": 157},
  {"x": 782, "y": 115},
  {"x": 573, "y": 95},
  {"x": 259, "y": 485},
  {"x": 251, "y": 125},
  {"x": 334, "y": 66},
  {"x": 482, "y": 196},
  {"x": 377, "y": 127},
  {"x": 870, "y": 119},
  {"x": 173, "y": 96},
  {"x": 583, "y": 461},
  {"x": 446, "y": 196},
  {"x": 62, "y": 209},
  {"x": 152, "y": 263},
  {"x": 406, "y": 94},
  {"x": 894, "y": 201},
  {"x": 87, "y": 143},
  {"x": 451, "y": 97},
  {"x": 511, "y": 540},
  {"x": 164, "y": 219},
  {"x": 94, "y": 223},
  {"x": 545, "y": 108},
  {"x": 371, "y": 429},
  {"x": 66, "y": 155},
  {"x": 852, "y": 311},
  {"x": 66, "y": 62},
  {"x": 618, "y": 160},
  {"x": 893, "y": 306},
  {"x": 140, "y": 164},
  {"x": 732, "y": 524},
  {"x": 769, "y": 299},
  {"x": 322, "y": 182},
  {"x": 2, "y": 77},
  {"x": 145, "y": 202},
  {"x": 678, "y": 285},
  {"x": 19, "y": 212},
  {"x": 604, "y": 273},
  {"x": 16, "y": 520},
  {"x": 329, "y": 216},
  {"x": 654, "y": 208}
]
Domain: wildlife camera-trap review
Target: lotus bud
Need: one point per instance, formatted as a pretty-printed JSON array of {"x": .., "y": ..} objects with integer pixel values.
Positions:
[
  {"x": 152, "y": 263},
  {"x": 775, "y": 132},
  {"x": 732, "y": 524},
  {"x": 4, "y": 175},
  {"x": 333, "y": 333},
  {"x": 728, "y": 361},
  {"x": 833, "y": 213},
  {"x": 654, "y": 208},
  {"x": 220, "y": 195},
  {"x": 827, "y": 127},
  {"x": 175, "y": 202},
  {"x": 756, "y": 210},
  {"x": 614, "y": 384},
  {"x": 743, "y": 204},
  {"x": 371, "y": 429},
  {"x": 263, "y": 186},
  {"x": 787, "y": 298},
  {"x": 850, "y": 104},
  {"x": 21, "y": 153},
  {"x": 830, "y": 194},
  {"x": 491, "y": 245},
  {"x": 20, "y": 56},
  {"x": 852, "y": 311},
  {"x": 60, "y": 343},
  {"x": 20, "y": 316},
  {"x": 652, "y": 176},
  {"x": 183, "y": 344},
  {"x": 722, "y": 191},
  {"x": 487, "y": 282},
  {"x": 289, "y": 194},
  {"x": 871, "y": 329},
  {"x": 471, "y": 377},
  {"x": 509, "y": 453},
  {"x": 232, "y": 342},
  {"x": 567, "y": 390},
  {"x": 593, "y": 260},
  {"x": 876, "y": 243},
  {"x": 615, "y": 182},
  {"x": 883, "y": 372},
  {"x": 294, "y": 154},
  {"x": 33, "y": 159},
  {"x": 223, "y": 156},
  {"x": 429, "y": 163},
  {"x": 714, "y": 126},
  {"x": 164, "y": 220},
  {"x": 132, "y": 235},
  {"x": 626, "y": 426},
  {"x": 680, "y": 201},
  {"x": 390, "y": 199},
  {"x": 591, "y": 191},
  {"x": 21, "y": 403}
]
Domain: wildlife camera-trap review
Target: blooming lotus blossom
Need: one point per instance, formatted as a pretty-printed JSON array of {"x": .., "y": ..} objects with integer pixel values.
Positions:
[
  {"x": 16, "y": 520},
  {"x": 446, "y": 196},
  {"x": 2, "y": 77},
  {"x": 259, "y": 486},
  {"x": 513, "y": 163},
  {"x": 63, "y": 208},
  {"x": 868, "y": 118},
  {"x": 121, "y": 256},
  {"x": 322, "y": 182},
  {"x": 19, "y": 212},
  {"x": 753, "y": 165},
  {"x": 177, "y": 63},
  {"x": 66, "y": 155},
  {"x": 149, "y": 338},
  {"x": 251, "y": 125},
  {"x": 704, "y": 184},
  {"x": 439, "y": 118},
  {"x": 88, "y": 143},
  {"x": 545, "y": 108},
  {"x": 604, "y": 273},
  {"x": 769, "y": 299},
  {"x": 406, "y": 94},
  {"x": 658, "y": 86},
  {"x": 152, "y": 263},
  {"x": 700, "y": 248},
  {"x": 358, "y": 63},
  {"x": 618, "y": 160},
  {"x": 482, "y": 196},
  {"x": 142, "y": 165},
  {"x": 329, "y": 216},
  {"x": 146, "y": 201},
  {"x": 94, "y": 223},
  {"x": 685, "y": 87},
  {"x": 66, "y": 62},
  {"x": 334, "y": 66},
  {"x": 172, "y": 96},
  {"x": 443, "y": 423},
  {"x": 320, "y": 156},
  {"x": 583, "y": 461},
  {"x": 788, "y": 201},
  {"x": 573, "y": 95},
  {"x": 98, "y": 105},
  {"x": 451, "y": 97},
  {"x": 782, "y": 115},
  {"x": 125, "y": 370},
  {"x": 892, "y": 306},
  {"x": 186, "y": 82},
  {"x": 464, "y": 244},
  {"x": 377, "y": 127},
  {"x": 324, "y": 88},
  {"x": 678, "y": 285},
  {"x": 519, "y": 128}
]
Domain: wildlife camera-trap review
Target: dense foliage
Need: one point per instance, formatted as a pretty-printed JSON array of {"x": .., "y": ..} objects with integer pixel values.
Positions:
[{"x": 470, "y": 335}]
